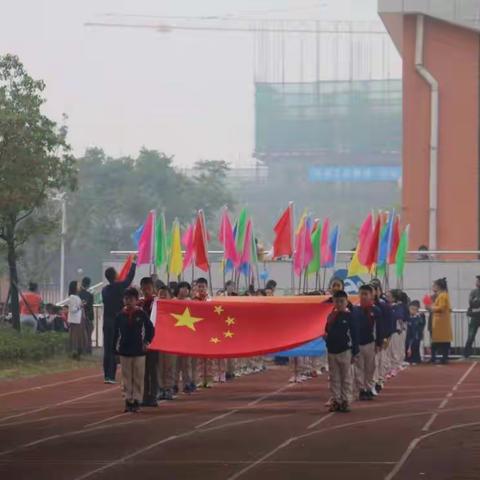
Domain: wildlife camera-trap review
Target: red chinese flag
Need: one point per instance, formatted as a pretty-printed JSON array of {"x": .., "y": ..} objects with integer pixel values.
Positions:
[
  {"x": 244, "y": 327},
  {"x": 199, "y": 244},
  {"x": 125, "y": 268},
  {"x": 282, "y": 245}
]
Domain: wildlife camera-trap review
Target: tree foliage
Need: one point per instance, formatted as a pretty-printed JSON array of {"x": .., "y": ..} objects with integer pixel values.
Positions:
[{"x": 35, "y": 161}]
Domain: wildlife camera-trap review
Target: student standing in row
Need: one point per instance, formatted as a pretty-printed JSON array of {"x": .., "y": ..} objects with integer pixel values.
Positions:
[
  {"x": 368, "y": 322},
  {"x": 150, "y": 389},
  {"x": 132, "y": 334},
  {"x": 341, "y": 338}
]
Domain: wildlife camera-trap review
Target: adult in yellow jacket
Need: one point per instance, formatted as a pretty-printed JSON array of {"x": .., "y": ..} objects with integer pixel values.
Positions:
[{"x": 441, "y": 321}]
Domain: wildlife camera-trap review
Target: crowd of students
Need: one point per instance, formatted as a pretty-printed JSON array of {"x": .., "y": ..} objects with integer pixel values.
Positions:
[{"x": 370, "y": 339}]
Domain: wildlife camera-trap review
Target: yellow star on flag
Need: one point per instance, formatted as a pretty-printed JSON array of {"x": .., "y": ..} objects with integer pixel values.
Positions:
[
  {"x": 228, "y": 334},
  {"x": 186, "y": 319},
  {"x": 230, "y": 321},
  {"x": 215, "y": 340},
  {"x": 218, "y": 309}
]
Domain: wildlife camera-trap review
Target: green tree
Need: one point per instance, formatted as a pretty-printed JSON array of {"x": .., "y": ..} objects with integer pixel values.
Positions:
[{"x": 35, "y": 161}]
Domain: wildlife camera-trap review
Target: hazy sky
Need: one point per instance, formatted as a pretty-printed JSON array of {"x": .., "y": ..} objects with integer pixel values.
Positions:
[{"x": 185, "y": 93}]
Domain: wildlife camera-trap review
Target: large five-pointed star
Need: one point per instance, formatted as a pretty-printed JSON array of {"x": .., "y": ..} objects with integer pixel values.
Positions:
[{"x": 186, "y": 319}]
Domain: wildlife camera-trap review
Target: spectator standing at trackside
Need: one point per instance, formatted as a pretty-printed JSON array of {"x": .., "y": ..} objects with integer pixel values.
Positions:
[
  {"x": 76, "y": 321},
  {"x": 441, "y": 321},
  {"x": 132, "y": 334},
  {"x": 474, "y": 313},
  {"x": 30, "y": 306},
  {"x": 341, "y": 338},
  {"x": 112, "y": 296},
  {"x": 87, "y": 299}
]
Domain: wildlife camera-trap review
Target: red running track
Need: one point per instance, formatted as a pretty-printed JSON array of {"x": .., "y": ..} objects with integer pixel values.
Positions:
[{"x": 70, "y": 426}]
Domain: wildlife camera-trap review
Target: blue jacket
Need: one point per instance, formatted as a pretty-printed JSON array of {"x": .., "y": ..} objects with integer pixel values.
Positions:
[
  {"x": 369, "y": 324},
  {"x": 112, "y": 296},
  {"x": 387, "y": 318}
]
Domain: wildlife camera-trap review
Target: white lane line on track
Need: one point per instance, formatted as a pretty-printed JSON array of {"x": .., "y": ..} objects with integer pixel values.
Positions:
[
  {"x": 53, "y": 405},
  {"x": 334, "y": 428},
  {"x": 444, "y": 402},
  {"x": 48, "y": 385},
  {"x": 50, "y": 417},
  {"x": 414, "y": 443},
  {"x": 167, "y": 440},
  {"x": 238, "y": 409},
  {"x": 320, "y": 420},
  {"x": 113, "y": 417}
]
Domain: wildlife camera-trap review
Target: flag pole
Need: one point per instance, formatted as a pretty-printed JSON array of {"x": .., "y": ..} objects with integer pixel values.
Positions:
[
  {"x": 291, "y": 206},
  {"x": 151, "y": 268},
  {"x": 204, "y": 233}
]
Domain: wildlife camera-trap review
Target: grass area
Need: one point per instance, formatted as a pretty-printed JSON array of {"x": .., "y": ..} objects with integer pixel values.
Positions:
[
  {"x": 27, "y": 354},
  {"x": 58, "y": 363}
]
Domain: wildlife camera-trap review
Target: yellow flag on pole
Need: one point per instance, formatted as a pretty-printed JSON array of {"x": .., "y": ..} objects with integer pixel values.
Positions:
[
  {"x": 175, "y": 266},
  {"x": 355, "y": 267}
]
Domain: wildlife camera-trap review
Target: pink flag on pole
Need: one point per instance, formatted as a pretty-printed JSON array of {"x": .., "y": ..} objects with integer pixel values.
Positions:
[
  {"x": 308, "y": 253},
  {"x": 326, "y": 253},
  {"x": 303, "y": 247},
  {"x": 226, "y": 238},
  {"x": 145, "y": 243},
  {"x": 187, "y": 242}
]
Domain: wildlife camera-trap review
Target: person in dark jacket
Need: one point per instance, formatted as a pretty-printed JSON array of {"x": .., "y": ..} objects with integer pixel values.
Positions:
[
  {"x": 146, "y": 303},
  {"x": 415, "y": 327},
  {"x": 112, "y": 296},
  {"x": 341, "y": 339},
  {"x": 133, "y": 332},
  {"x": 474, "y": 313},
  {"x": 368, "y": 319},
  {"x": 87, "y": 299}
]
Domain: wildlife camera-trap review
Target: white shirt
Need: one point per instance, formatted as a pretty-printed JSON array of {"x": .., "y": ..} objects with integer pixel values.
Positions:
[{"x": 74, "y": 304}]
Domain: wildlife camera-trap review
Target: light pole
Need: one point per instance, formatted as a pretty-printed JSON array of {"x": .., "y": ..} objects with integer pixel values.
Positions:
[{"x": 61, "y": 197}]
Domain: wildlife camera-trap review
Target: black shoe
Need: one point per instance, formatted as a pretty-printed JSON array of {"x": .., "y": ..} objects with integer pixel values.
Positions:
[
  {"x": 369, "y": 395},
  {"x": 229, "y": 376},
  {"x": 135, "y": 406},
  {"x": 128, "y": 406},
  {"x": 362, "y": 396},
  {"x": 149, "y": 403},
  {"x": 378, "y": 387},
  {"x": 344, "y": 408}
]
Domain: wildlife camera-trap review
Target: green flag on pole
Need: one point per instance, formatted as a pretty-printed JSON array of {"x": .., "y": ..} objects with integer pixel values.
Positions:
[
  {"x": 160, "y": 241},
  {"x": 315, "y": 265},
  {"x": 241, "y": 230},
  {"x": 402, "y": 252}
]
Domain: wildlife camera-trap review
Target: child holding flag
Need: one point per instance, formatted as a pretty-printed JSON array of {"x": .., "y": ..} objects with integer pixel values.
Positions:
[
  {"x": 151, "y": 359},
  {"x": 341, "y": 338}
]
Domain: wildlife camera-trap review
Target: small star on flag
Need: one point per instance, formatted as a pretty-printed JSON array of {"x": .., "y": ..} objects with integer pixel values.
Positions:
[
  {"x": 215, "y": 340},
  {"x": 218, "y": 309},
  {"x": 186, "y": 319},
  {"x": 228, "y": 334},
  {"x": 230, "y": 321}
]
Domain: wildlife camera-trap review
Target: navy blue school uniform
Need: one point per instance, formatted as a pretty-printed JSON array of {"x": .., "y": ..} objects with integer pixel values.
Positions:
[
  {"x": 341, "y": 333},
  {"x": 369, "y": 323},
  {"x": 415, "y": 328}
]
